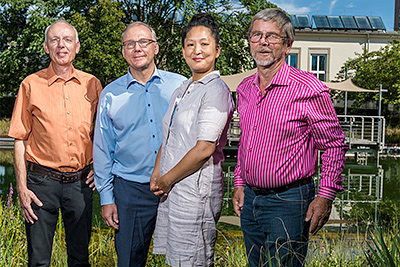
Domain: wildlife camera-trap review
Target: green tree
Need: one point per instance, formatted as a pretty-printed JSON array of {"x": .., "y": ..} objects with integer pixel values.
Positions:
[
  {"x": 100, "y": 36},
  {"x": 374, "y": 68},
  {"x": 100, "y": 24},
  {"x": 22, "y": 25}
]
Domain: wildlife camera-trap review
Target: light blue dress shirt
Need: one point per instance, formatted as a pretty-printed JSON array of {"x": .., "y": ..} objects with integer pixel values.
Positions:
[{"x": 128, "y": 129}]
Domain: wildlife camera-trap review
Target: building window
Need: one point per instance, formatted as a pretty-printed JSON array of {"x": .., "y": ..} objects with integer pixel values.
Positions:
[
  {"x": 291, "y": 60},
  {"x": 318, "y": 66}
]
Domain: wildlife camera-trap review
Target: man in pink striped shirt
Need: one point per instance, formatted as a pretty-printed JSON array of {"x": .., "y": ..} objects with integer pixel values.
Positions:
[{"x": 286, "y": 116}]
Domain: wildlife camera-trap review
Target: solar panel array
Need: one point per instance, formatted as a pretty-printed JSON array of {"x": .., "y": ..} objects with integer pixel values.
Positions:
[{"x": 322, "y": 22}]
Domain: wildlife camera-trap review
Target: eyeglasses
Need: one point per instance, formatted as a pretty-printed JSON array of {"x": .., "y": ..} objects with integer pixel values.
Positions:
[
  {"x": 270, "y": 37},
  {"x": 143, "y": 43},
  {"x": 55, "y": 41}
]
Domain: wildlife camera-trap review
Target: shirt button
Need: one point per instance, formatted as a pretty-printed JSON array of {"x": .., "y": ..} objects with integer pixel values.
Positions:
[
  {"x": 247, "y": 171},
  {"x": 70, "y": 144},
  {"x": 249, "y": 149},
  {"x": 151, "y": 120},
  {"x": 188, "y": 92},
  {"x": 155, "y": 152},
  {"x": 66, "y": 98},
  {"x": 148, "y": 105},
  {"x": 69, "y": 128},
  {"x": 254, "y": 128},
  {"x": 147, "y": 90},
  {"x": 67, "y": 112},
  {"x": 154, "y": 136},
  {"x": 177, "y": 109}
]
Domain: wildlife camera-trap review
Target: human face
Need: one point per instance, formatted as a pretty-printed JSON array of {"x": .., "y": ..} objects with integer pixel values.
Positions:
[
  {"x": 61, "y": 44},
  {"x": 264, "y": 53},
  {"x": 139, "y": 58},
  {"x": 200, "y": 51}
]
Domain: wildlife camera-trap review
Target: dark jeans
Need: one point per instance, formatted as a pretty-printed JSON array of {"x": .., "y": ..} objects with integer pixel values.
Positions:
[
  {"x": 75, "y": 202},
  {"x": 137, "y": 212},
  {"x": 273, "y": 226}
]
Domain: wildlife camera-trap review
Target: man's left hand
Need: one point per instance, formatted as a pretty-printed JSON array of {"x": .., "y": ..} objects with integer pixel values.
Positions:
[
  {"x": 90, "y": 180},
  {"x": 318, "y": 212}
]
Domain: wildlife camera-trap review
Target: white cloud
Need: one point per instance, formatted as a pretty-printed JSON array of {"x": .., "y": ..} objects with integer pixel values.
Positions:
[
  {"x": 332, "y": 5},
  {"x": 350, "y": 5},
  {"x": 291, "y": 8}
]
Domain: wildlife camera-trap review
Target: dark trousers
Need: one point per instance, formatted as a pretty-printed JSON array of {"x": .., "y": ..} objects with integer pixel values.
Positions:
[
  {"x": 137, "y": 212},
  {"x": 75, "y": 201}
]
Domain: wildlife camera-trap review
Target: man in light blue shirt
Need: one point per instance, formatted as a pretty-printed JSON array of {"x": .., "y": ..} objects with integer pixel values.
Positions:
[{"x": 128, "y": 135}]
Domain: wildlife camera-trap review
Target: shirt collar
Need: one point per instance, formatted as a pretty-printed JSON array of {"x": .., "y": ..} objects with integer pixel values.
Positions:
[
  {"x": 206, "y": 79},
  {"x": 281, "y": 78},
  {"x": 52, "y": 77},
  {"x": 131, "y": 79}
]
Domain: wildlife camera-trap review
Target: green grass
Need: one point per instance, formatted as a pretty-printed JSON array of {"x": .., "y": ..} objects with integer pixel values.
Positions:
[
  {"x": 4, "y": 126},
  {"x": 325, "y": 249},
  {"x": 392, "y": 135},
  {"x": 6, "y": 157}
]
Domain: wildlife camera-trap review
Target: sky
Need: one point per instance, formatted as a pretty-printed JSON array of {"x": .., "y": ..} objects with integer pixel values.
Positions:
[{"x": 381, "y": 8}]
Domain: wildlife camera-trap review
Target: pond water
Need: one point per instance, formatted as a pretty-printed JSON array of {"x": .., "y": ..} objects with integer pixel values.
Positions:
[{"x": 390, "y": 189}]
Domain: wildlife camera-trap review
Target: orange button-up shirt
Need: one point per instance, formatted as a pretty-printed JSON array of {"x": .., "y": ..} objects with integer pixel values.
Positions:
[{"x": 56, "y": 118}]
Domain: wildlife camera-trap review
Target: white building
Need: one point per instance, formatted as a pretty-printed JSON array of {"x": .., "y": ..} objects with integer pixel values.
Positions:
[{"x": 323, "y": 49}]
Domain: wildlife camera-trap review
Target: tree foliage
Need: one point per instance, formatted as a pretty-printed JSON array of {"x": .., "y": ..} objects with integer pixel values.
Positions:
[
  {"x": 100, "y": 37},
  {"x": 370, "y": 69},
  {"x": 100, "y": 24}
]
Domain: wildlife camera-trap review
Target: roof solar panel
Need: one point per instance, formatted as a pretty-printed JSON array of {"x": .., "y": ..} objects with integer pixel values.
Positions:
[
  {"x": 377, "y": 23},
  {"x": 362, "y": 23},
  {"x": 349, "y": 23},
  {"x": 294, "y": 21},
  {"x": 303, "y": 21},
  {"x": 335, "y": 22},
  {"x": 321, "y": 22}
]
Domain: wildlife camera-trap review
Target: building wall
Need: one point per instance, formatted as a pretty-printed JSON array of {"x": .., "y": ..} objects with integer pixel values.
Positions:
[{"x": 338, "y": 46}]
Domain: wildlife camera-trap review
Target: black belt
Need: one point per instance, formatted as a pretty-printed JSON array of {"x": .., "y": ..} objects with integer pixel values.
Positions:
[
  {"x": 268, "y": 191},
  {"x": 64, "y": 177}
]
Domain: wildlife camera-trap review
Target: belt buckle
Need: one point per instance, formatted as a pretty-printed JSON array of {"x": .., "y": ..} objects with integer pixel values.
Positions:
[{"x": 68, "y": 177}]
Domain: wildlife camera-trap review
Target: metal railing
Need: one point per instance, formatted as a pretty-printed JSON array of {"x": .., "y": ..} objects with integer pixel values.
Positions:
[{"x": 363, "y": 130}]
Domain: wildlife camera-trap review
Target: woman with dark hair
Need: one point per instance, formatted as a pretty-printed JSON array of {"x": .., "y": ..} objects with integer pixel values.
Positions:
[{"x": 188, "y": 173}]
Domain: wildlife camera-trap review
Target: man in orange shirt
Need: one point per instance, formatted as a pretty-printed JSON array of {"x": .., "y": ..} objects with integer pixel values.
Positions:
[{"x": 52, "y": 124}]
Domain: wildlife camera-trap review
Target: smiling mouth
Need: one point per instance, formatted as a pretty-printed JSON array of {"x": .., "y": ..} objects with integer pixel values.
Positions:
[{"x": 197, "y": 59}]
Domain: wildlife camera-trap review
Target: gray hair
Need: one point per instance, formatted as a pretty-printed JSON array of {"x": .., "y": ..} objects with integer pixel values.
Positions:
[
  {"x": 139, "y": 23},
  {"x": 60, "y": 21},
  {"x": 283, "y": 21}
]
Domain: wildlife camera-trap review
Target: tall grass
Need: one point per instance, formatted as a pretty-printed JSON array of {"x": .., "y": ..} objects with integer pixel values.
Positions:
[
  {"x": 392, "y": 135},
  {"x": 4, "y": 126},
  {"x": 325, "y": 250}
]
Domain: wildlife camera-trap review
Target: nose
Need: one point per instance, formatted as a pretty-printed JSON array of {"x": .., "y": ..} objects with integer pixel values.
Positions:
[
  {"x": 197, "y": 49},
  {"x": 136, "y": 46},
  {"x": 264, "y": 40},
  {"x": 61, "y": 42}
]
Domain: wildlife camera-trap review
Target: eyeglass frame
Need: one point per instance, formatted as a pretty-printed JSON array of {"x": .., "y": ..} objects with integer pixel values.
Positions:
[
  {"x": 266, "y": 36},
  {"x": 138, "y": 42}
]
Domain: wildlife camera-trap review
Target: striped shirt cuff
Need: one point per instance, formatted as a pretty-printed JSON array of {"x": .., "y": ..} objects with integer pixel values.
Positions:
[
  {"x": 327, "y": 192},
  {"x": 238, "y": 183}
]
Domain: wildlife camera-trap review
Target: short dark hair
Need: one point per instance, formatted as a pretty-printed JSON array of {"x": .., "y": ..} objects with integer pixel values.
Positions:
[{"x": 202, "y": 19}]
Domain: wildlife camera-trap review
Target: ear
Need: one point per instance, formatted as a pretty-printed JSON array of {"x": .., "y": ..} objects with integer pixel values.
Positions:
[
  {"x": 46, "y": 49},
  {"x": 78, "y": 47},
  {"x": 183, "y": 53},
  {"x": 156, "y": 48},
  {"x": 288, "y": 48},
  {"x": 218, "y": 48}
]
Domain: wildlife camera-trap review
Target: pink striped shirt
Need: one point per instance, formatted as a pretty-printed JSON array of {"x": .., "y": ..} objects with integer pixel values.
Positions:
[{"x": 283, "y": 130}]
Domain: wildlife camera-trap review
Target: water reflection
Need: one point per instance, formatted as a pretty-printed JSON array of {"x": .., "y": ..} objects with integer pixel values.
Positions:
[{"x": 366, "y": 185}]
